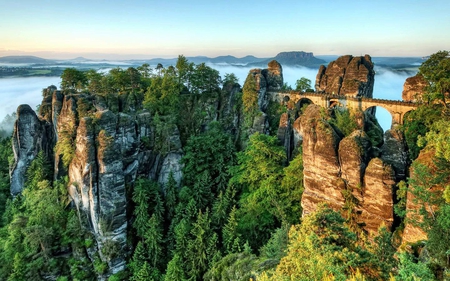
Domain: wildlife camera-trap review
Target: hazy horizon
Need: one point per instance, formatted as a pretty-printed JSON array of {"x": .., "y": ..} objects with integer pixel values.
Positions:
[{"x": 63, "y": 29}]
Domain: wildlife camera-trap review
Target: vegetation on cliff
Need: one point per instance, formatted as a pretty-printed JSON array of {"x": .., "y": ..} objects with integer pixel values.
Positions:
[{"x": 236, "y": 213}]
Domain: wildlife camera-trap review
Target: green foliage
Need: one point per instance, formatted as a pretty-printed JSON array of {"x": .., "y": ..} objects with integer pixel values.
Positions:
[
  {"x": 303, "y": 84},
  {"x": 276, "y": 247},
  {"x": 5, "y": 154},
  {"x": 230, "y": 78},
  {"x": 322, "y": 246},
  {"x": 436, "y": 71},
  {"x": 400, "y": 206},
  {"x": 73, "y": 79},
  {"x": 438, "y": 243},
  {"x": 263, "y": 204},
  {"x": 36, "y": 228},
  {"x": 162, "y": 96},
  {"x": 344, "y": 120},
  {"x": 211, "y": 152},
  {"x": 66, "y": 145},
  {"x": 418, "y": 123},
  {"x": 412, "y": 270},
  {"x": 250, "y": 96},
  {"x": 439, "y": 139}
]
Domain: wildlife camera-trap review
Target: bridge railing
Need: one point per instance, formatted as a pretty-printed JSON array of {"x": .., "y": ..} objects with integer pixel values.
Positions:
[{"x": 353, "y": 98}]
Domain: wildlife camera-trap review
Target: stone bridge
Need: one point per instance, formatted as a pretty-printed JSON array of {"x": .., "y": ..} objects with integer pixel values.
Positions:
[{"x": 397, "y": 109}]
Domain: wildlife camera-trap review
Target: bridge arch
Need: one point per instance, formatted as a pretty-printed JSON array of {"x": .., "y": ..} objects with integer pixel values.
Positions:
[
  {"x": 302, "y": 102},
  {"x": 383, "y": 116},
  {"x": 397, "y": 109}
]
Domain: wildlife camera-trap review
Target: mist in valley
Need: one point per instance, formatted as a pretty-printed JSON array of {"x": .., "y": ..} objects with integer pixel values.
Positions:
[{"x": 20, "y": 90}]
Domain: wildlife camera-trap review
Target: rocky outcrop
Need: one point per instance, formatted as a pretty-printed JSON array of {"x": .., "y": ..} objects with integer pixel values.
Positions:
[
  {"x": 414, "y": 88},
  {"x": 284, "y": 134},
  {"x": 353, "y": 158},
  {"x": 320, "y": 145},
  {"x": 274, "y": 76},
  {"x": 30, "y": 136},
  {"x": 376, "y": 206},
  {"x": 348, "y": 75},
  {"x": 394, "y": 152},
  {"x": 421, "y": 174},
  {"x": 111, "y": 149},
  {"x": 262, "y": 81},
  {"x": 345, "y": 173}
]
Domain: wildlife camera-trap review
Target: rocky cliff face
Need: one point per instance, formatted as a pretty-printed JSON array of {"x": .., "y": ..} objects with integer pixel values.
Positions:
[
  {"x": 348, "y": 75},
  {"x": 266, "y": 80},
  {"x": 424, "y": 166},
  {"x": 345, "y": 172},
  {"x": 320, "y": 146},
  {"x": 103, "y": 143},
  {"x": 108, "y": 155},
  {"x": 31, "y": 135},
  {"x": 414, "y": 88}
]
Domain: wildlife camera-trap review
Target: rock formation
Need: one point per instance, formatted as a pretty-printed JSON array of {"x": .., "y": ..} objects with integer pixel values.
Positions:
[
  {"x": 377, "y": 206},
  {"x": 414, "y": 88},
  {"x": 30, "y": 136},
  {"x": 348, "y": 75},
  {"x": 421, "y": 172},
  {"x": 270, "y": 79},
  {"x": 108, "y": 155},
  {"x": 320, "y": 145},
  {"x": 344, "y": 172}
]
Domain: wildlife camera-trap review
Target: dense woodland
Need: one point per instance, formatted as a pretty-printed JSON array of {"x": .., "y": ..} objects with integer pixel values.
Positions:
[{"x": 237, "y": 214}]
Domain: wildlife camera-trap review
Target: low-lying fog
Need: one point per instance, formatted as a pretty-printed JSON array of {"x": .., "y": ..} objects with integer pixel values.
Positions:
[{"x": 16, "y": 91}]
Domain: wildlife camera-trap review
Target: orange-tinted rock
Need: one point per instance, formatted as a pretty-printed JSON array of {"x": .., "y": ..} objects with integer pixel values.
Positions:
[
  {"x": 348, "y": 75},
  {"x": 353, "y": 157},
  {"x": 413, "y": 231},
  {"x": 414, "y": 88},
  {"x": 321, "y": 165},
  {"x": 377, "y": 206}
]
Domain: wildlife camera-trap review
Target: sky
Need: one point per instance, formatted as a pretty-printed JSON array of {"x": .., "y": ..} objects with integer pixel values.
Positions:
[{"x": 133, "y": 29}]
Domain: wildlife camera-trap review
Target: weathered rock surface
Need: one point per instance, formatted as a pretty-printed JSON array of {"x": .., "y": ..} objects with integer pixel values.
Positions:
[
  {"x": 320, "y": 145},
  {"x": 377, "y": 206},
  {"x": 353, "y": 158},
  {"x": 30, "y": 136},
  {"x": 284, "y": 134},
  {"x": 413, "y": 231},
  {"x": 414, "y": 88},
  {"x": 296, "y": 131},
  {"x": 111, "y": 149},
  {"x": 394, "y": 152},
  {"x": 274, "y": 76},
  {"x": 348, "y": 75}
]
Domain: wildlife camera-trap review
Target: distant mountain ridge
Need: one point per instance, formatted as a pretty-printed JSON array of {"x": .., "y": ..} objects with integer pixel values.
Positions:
[
  {"x": 24, "y": 59},
  {"x": 293, "y": 58}
]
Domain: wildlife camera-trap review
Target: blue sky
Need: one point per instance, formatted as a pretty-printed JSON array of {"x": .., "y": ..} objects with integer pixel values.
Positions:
[{"x": 146, "y": 29}]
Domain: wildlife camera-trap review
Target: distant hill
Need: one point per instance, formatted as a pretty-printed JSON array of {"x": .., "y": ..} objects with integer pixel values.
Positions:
[
  {"x": 294, "y": 59},
  {"x": 24, "y": 59}
]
